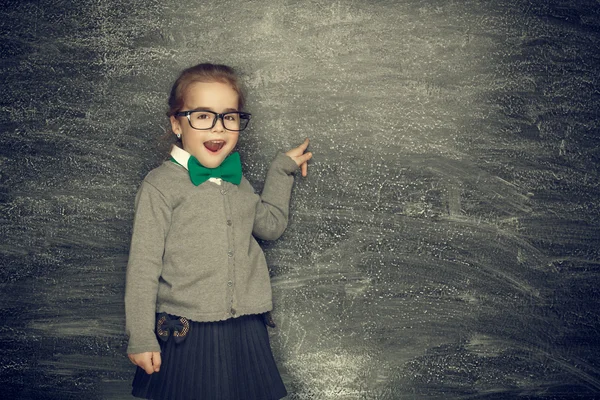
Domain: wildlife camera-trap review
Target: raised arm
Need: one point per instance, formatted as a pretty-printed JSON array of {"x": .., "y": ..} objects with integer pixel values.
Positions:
[{"x": 272, "y": 210}]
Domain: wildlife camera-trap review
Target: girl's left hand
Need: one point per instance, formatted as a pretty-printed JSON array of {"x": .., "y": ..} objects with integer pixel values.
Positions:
[{"x": 298, "y": 154}]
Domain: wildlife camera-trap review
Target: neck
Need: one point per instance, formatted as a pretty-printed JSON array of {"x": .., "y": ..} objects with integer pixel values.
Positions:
[{"x": 182, "y": 157}]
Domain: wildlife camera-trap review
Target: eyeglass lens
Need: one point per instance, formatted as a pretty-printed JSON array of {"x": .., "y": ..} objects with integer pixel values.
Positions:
[{"x": 233, "y": 121}]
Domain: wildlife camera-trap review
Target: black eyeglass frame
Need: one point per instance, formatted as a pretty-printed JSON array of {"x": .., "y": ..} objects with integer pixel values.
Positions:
[{"x": 243, "y": 115}]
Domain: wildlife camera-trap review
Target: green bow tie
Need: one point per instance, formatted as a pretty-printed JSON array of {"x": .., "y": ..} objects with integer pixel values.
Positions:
[{"x": 230, "y": 170}]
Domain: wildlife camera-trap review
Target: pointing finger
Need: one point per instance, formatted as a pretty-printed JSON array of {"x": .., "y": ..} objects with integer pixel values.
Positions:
[
  {"x": 298, "y": 151},
  {"x": 305, "y": 143}
]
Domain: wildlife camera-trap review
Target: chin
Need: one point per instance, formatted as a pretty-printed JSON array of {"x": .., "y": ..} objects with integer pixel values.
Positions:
[
  {"x": 214, "y": 164},
  {"x": 213, "y": 160}
]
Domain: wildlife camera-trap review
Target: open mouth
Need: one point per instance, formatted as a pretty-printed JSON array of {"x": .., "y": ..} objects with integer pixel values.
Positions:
[{"x": 214, "y": 145}]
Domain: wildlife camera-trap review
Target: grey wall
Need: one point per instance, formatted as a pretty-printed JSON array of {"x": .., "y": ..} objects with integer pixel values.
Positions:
[{"x": 444, "y": 245}]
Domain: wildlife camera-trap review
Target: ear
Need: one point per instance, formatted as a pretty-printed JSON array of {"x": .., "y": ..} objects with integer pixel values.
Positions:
[{"x": 175, "y": 125}]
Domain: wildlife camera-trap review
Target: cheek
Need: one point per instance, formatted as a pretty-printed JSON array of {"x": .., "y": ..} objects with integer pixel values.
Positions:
[
  {"x": 234, "y": 139},
  {"x": 192, "y": 138}
]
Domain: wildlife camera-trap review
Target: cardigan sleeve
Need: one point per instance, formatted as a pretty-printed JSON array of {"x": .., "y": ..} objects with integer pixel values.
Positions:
[
  {"x": 151, "y": 224},
  {"x": 272, "y": 210}
]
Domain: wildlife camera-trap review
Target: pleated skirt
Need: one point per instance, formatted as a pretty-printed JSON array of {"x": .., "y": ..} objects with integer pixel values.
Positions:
[{"x": 224, "y": 360}]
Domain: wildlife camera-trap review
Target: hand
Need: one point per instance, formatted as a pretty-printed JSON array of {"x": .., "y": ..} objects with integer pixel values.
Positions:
[
  {"x": 298, "y": 154},
  {"x": 149, "y": 361}
]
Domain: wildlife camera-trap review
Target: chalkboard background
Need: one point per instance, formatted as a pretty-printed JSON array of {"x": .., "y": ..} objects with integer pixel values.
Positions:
[{"x": 444, "y": 245}]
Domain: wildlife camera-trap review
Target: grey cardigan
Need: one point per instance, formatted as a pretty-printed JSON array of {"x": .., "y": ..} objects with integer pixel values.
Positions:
[{"x": 193, "y": 253}]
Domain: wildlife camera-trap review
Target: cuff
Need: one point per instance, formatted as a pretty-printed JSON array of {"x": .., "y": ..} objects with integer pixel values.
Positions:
[{"x": 137, "y": 346}]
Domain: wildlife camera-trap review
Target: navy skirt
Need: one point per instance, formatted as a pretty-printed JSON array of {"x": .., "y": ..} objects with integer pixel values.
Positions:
[{"x": 224, "y": 360}]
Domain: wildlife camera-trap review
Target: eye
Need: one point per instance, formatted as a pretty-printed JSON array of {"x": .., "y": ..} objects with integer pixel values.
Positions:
[
  {"x": 201, "y": 115},
  {"x": 232, "y": 117}
]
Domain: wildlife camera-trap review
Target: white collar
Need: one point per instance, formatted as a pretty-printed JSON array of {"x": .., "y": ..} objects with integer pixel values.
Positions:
[{"x": 180, "y": 155}]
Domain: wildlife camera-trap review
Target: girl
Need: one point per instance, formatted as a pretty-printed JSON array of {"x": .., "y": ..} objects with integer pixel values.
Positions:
[{"x": 198, "y": 293}]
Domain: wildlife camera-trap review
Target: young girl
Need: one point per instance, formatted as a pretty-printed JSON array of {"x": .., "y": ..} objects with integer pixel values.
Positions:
[{"x": 198, "y": 292}]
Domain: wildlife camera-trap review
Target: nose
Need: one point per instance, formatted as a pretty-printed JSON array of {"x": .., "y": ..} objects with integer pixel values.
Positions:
[{"x": 219, "y": 124}]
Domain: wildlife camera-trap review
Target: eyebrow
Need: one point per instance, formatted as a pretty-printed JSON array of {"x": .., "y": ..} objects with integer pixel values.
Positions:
[{"x": 211, "y": 109}]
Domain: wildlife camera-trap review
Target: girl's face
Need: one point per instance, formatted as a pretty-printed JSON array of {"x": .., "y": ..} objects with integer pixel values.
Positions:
[{"x": 209, "y": 146}]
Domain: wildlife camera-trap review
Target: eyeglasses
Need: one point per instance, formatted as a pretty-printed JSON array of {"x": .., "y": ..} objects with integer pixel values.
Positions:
[{"x": 202, "y": 120}]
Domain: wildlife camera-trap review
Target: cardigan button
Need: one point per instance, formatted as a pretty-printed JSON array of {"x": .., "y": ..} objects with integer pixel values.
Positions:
[
  {"x": 223, "y": 192},
  {"x": 229, "y": 283},
  {"x": 232, "y": 311},
  {"x": 230, "y": 253},
  {"x": 229, "y": 222}
]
